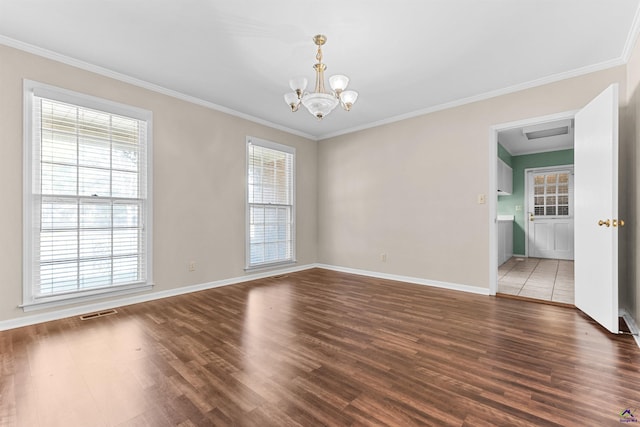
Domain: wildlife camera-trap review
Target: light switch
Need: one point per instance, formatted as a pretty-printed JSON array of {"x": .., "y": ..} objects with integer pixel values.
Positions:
[{"x": 482, "y": 199}]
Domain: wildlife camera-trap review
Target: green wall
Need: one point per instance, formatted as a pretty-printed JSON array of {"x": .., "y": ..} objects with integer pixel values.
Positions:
[{"x": 514, "y": 204}]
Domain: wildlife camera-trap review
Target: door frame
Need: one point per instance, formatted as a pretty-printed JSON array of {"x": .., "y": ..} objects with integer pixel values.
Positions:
[
  {"x": 525, "y": 205},
  {"x": 493, "y": 184}
]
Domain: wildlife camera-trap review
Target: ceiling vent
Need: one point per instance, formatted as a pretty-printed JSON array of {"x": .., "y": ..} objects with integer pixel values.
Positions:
[{"x": 546, "y": 130}]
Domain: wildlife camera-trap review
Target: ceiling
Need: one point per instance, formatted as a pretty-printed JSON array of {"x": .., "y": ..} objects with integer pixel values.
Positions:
[
  {"x": 405, "y": 57},
  {"x": 519, "y": 141}
]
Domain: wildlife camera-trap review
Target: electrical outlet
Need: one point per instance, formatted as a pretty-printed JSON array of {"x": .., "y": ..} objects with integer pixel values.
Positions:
[
  {"x": 383, "y": 257},
  {"x": 192, "y": 266},
  {"x": 518, "y": 207},
  {"x": 482, "y": 199}
]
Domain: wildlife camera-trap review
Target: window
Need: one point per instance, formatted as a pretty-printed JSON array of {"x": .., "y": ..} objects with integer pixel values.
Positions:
[
  {"x": 87, "y": 205},
  {"x": 551, "y": 193},
  {"x": 270, "y": 204}
]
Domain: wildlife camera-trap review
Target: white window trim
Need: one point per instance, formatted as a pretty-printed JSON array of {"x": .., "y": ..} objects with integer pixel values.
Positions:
[
  {"x": 287, "y": 149},
  {"x": 31, "y": 89}
]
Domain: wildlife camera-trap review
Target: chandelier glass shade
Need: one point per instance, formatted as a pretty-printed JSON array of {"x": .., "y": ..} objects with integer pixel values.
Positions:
[{"x": 320, "y": 102}]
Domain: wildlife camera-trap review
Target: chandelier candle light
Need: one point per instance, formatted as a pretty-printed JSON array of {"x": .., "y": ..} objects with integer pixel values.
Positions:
[{"x": 320, "y": 102}]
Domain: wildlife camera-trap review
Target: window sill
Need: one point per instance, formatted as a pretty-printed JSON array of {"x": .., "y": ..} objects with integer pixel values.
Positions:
[
  {"x": 270, "y": 266},
  {"x": 64, "y": 300}
]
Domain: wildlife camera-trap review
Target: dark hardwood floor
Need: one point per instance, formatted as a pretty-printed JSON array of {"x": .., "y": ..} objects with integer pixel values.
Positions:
[{"x": 320, "y": 348}]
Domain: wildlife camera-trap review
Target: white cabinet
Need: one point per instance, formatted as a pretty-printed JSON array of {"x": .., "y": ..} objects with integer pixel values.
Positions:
[
  {"x": 505, "y": 240},
  {"x": 505, "y": 178}
]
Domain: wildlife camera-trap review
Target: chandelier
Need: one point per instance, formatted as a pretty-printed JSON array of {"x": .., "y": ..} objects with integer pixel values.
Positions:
[{"x": 320, "y": 102}]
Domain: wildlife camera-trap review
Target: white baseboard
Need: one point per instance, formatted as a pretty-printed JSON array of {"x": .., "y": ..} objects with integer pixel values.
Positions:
[
  {"x": 408, "y": 279},
  {"x": 631, "y": 323},
  {"x": 135, "y": 299}
]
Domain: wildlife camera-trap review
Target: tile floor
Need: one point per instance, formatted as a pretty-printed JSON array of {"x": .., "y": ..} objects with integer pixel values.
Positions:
[{"x": 545, "y": 279}]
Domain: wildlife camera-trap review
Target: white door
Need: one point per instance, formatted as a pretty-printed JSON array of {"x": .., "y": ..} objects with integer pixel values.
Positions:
[
  {"x": 596, "y": 201},
  {"x": 550, "y": 219}
]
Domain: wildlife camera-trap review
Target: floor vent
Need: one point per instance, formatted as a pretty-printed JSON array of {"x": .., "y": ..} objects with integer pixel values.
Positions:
[
  {"x": 98, "y": 314},
  {"x": 281, "y": 276}
]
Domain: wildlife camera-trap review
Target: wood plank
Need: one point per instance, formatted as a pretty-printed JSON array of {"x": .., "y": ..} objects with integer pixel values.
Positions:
[{"x": 320, "y": 348}]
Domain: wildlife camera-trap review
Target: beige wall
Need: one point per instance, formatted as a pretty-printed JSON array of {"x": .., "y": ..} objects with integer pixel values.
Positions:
[
  {"x": 199, "y": 175},
  {"x": 409, "y": 189},
  {"x": 629, "y": 195}
]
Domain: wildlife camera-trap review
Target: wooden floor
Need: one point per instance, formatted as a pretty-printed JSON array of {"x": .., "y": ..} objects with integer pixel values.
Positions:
[{"x": 320, "y": 348}]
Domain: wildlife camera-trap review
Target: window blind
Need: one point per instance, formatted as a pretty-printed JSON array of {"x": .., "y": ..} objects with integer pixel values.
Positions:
[
  {"x": 89, "y": 199},
  {"x": 270, "y": 203}
]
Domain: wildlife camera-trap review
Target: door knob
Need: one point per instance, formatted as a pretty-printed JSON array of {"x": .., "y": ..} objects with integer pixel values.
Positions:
[
  {"x": 607, "y": 223},
  {"x": 617, "y": 222}
]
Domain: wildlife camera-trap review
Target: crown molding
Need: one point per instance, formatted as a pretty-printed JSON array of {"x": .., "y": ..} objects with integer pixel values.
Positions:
[
  {"x": 26, "y": 47},
  {"x": 632, "y": 37},
  {"x": 484, "y": 96},
  {"x": 622, "y": 60}
]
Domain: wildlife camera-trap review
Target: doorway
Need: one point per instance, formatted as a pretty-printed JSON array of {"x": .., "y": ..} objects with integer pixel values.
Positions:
[
  {"x": 540, "y": 265},
  {"x": 596, "y": 215}
]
